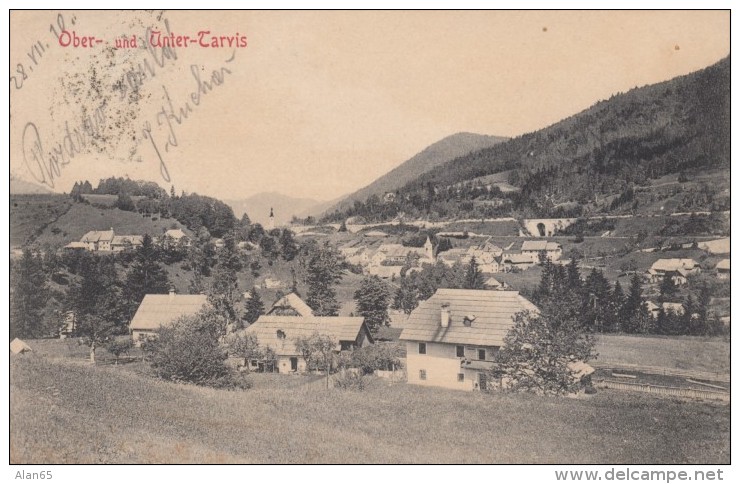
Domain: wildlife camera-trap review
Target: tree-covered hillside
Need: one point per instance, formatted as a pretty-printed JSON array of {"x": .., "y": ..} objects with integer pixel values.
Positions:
[{"x": 679, "y": 127}]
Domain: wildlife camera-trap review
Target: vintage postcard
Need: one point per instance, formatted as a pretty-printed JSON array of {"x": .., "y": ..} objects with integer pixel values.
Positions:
[{"x": 373, "y": 237}]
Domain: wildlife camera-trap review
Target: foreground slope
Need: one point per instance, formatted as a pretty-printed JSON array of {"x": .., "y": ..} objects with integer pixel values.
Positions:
[{"x": 65, "y": 411}]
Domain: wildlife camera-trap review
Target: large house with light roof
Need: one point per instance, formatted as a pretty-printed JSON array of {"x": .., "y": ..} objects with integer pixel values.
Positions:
[{"x": 452, "y": 338}]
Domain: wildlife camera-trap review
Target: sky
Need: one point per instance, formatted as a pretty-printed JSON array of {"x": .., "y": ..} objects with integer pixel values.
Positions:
[{"x": 318, "y": 104}]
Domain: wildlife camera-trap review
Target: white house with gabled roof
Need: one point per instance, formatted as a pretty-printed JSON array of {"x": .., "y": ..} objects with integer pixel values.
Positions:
[{"x": 452, "y": 337}]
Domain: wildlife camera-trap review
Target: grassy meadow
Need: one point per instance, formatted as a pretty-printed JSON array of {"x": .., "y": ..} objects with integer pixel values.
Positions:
[{"x": 63, "y": 410}]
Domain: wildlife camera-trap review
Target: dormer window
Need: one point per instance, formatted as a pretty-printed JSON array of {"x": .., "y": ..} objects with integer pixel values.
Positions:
[
  {"x": 468, "y": 319},
  {"x": 280, "y": 334}
]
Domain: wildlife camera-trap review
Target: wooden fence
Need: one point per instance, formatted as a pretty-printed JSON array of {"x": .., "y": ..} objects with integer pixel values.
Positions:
[
  {"x": 654, "y": 370},
  {"x": 661, "y": 390}
]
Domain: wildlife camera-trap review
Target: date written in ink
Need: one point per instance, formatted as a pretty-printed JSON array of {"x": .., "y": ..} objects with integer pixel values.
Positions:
[{"x": 38, "y": 49}]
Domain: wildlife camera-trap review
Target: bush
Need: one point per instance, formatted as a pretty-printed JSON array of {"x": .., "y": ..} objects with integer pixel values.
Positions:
[
  {"x": 189, "y": 351},
  {"x": 380, "y": 356},
  {"x": 350, "y": 380}
]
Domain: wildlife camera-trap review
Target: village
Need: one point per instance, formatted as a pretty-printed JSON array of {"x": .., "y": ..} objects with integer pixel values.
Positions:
[
  {"x": 450, "y": 340},
  {"x": 364, "y": 246}
]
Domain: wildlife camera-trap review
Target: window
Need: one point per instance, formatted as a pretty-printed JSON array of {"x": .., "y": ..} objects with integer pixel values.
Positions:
[
  {"x": 461, "y": 377},
  {"x": 422, "y": 348},
  {"x": 422, "y": 374},
  {"x": 460, "y": 351},
  {"x": 481, "y": 354}
]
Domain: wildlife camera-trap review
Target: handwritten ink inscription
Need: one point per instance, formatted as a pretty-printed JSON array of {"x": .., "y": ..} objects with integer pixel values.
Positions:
[{"x": 119, "y": 95}]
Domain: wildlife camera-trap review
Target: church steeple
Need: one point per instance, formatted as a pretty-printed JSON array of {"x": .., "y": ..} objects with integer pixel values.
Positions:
[{"x": 271, "y": 222}]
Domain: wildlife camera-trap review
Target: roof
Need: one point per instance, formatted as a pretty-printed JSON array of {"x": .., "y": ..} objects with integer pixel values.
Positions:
[
  {"x": 338, "y": 328},
  {"x": 493, "y": 311},
  {"x": 19, "y": 346},
  {"x": 388, "y": 333},
  {"x": 718, "y": 246},
  {"x": 294, "y": 302},
  {"x": 516, "y": 258},
  {"x": 492, "y": 282},
  {"x": 175, "y": 234},
  {"x": 376, "y": 233},
  {"x": 128, "y": 239},
  {"x": 156, "y": 310},
  {"x": 98, "y": 236},
  {"x": 385, "y": 272},
  {"x": 724, "y": 265},
  {"x": 673, "y": 264},
  {"x": 75, "y": 245},
  {"x": 539, "y": 245}
]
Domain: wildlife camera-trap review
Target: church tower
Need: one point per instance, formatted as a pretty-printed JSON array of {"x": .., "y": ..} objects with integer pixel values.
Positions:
[
  {"x": 271, "y": 221},
  {"x": 429, "y": 250}
]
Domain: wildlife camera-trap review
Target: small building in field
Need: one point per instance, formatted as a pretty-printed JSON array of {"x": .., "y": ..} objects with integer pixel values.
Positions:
[
  {"x": 279, "y": 333},
  {"x": 723, "y": 269},
  {"x": 157, "y": 310},
  {"x": 18, "y": 347},
  {"x": 493, "y": 283},
  {"x": 452, "y": 337},
  {"x": 290, "y": 305}
]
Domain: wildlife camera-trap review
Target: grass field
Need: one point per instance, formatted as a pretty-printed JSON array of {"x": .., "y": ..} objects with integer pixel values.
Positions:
[
  {"x": 674, "y": 352},
  {"x": 81, "y": 218},
  {"x": 66, "y": 411},
  {"x": 29, "y": 214}
]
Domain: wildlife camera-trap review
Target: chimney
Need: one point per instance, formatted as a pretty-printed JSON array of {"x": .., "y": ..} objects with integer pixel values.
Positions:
[
  {"x": 172, "y": 293},
  {"x": 445, "y": 315}
]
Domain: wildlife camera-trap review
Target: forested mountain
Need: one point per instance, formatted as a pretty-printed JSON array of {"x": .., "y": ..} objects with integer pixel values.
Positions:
[
  {"x": 678, "y": 127},
  {"x": 432, "y": 156}
]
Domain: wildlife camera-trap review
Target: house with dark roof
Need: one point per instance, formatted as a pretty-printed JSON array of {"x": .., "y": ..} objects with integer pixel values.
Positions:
[
  {"x": 279, "y": 333},
  {"x": 157, "y": 310},
  {"x": 452, "y": 337}
]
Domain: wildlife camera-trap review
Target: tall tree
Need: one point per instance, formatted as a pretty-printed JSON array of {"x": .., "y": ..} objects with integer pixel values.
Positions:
[
  {"x": 224, "y": 292},
  {"x": 372, "y": 299},
  {"x": 28, "y": 296},
  {"x": 636, "y": 317},
  {"x": 146, "y": 276},
  {"x": 616, "y": 309},
  {"x": 540, "y": 351},
  {"x": 323, "y": 273},
  {"x": 95, "y": 299},
  {"x": 254, "y": 307},
  {"x": 473, "y": 275}
]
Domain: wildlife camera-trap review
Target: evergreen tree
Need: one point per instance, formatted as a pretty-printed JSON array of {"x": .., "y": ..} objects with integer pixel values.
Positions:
[
  {"x": 253, "y": 307},
  {"x": 371, "y": 300},
  {"x": 473, "y": 276},
  {"x": 146, "y": 276},
  {"x": 636, "y": 317},
  {"x": 224, "y": 291},
  {"x": 323, "y": 272},
  {"x": 616, "y": 309},
  {"x": 596, "y": 297},
  {"x": 95, "y": 299},
  {"x": 667, "y": 288},
  {"x": 288, "y": 245},
  {"x": 28, "y": 296}
]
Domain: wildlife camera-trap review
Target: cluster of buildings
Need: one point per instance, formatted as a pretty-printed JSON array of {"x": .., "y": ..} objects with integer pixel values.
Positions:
[
  {"x": 108, "y": 241},
  {"x": 451, "y": 339},
  {"x": 388, "y": 259}
]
